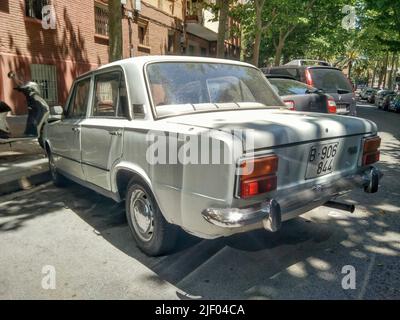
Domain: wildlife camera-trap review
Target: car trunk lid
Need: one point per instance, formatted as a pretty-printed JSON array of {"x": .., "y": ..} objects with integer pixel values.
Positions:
[{"x": 270, "y": 128}]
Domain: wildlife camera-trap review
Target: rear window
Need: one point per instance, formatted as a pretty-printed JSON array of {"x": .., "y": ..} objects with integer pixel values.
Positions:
[
  {"x": 291, "y": 72},
  {"x": 330, "y": 80},
  {"x": 286, "y": 87}
]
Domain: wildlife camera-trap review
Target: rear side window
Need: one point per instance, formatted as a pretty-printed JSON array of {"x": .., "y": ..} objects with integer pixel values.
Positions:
[
  {"x": 110, "y": 99},
  {"x": 330, "y": 80},
  {"x": 289, "y": 87}
]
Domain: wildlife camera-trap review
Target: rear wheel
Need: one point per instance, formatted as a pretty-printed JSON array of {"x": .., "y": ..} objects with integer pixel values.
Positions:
[{"x": 153, "y": 234}]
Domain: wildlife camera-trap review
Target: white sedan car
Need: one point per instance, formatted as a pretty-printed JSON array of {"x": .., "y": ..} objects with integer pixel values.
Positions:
[{"x": 204, "y": 145}]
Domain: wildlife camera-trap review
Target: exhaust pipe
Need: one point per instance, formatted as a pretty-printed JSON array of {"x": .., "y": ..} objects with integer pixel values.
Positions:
[{"x": 340, "y": 206}]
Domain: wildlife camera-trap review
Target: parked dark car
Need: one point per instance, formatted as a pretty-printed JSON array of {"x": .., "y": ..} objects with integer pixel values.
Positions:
[
  {"x": 380, "y": 97},
  {"x": 329, "y": 79},
  {"x": 395, "y": 104},
  {"x": 372, "y": 96},
  {"x": 366, "y": 93},
  {"x": 301, "y": 97}
]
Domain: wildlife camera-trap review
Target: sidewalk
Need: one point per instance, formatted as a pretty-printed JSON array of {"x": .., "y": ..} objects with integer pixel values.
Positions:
[{"x": 23, "y": 164}]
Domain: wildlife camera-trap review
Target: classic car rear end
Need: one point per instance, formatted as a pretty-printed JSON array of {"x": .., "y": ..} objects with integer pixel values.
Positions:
[{"x": 301, "y": 161}]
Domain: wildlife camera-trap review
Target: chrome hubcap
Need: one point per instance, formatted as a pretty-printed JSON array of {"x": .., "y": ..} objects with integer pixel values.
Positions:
[{"x": 142, "y": 215}]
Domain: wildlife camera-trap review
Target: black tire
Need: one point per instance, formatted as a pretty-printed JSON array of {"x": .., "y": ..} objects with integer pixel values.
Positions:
[
  {"x": 40, "y": 138},
  {"x": 152, "y": 233},
  {"x": 58, "y": 179}
]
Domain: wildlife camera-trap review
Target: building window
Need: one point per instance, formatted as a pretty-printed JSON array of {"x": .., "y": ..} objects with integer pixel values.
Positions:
[
  {"x": 4, "y": 6},
  {"x": 46, "y": 76},
  {"x": 171, "y": 42},
  {"x": 101, "y": 19},
  {"x": 33, "y": 8},
  {"x": 143, "y": 34},
  {"x": 191, "y": 50},
  {"x": 203, "y": 52}
]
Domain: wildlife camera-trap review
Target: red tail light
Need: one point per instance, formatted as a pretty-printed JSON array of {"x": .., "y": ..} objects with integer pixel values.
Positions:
[
  {"x": 331, "y": 105},
  {"x": 258, "y": 176},
  {"x": 290, "y": 104},
  {"x": 309, "y": 80},
  {"x": 371, "y": 153}
]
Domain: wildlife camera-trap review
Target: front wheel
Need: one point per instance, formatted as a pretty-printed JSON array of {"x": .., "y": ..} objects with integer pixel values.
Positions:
[
  {"x": 58, "y": 179},
  {"x": 153, "y": 234}
]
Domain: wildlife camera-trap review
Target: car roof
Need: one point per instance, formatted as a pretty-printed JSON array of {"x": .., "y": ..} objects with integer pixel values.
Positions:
[
  {"x": 143, "y": 60},
  {"x": 303, "y": 67}
]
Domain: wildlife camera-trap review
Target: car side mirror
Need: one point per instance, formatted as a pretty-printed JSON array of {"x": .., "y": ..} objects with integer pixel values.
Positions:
[{"x": 56, "y": 113}]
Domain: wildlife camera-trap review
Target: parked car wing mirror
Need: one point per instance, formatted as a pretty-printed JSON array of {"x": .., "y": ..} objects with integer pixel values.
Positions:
[{"x": 56, "y": 113}]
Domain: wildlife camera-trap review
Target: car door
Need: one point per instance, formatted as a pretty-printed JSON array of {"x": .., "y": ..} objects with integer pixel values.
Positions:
[
  {"x": 102, "y": 132},
  {"x": 66, "y": 138}
]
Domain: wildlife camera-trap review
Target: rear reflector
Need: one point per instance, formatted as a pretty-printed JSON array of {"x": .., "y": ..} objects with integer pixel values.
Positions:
[
  {"x": 290, "y": 104},
  {"x": 258, "y": 176},
  {"x": 371, "y": 158},
  {"x": 371, "y": 153},
  {"x": 371, "y": 144},
  {"x": 309, "y": 78},
  {"x": 253, "y": 187},
  {"x": 331, "y": 105}
]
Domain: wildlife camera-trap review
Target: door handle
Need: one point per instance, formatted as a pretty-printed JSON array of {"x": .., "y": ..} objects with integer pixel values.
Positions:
[
  {"x": 76, "y": 129},
  {"x": 115, "y": 133}
]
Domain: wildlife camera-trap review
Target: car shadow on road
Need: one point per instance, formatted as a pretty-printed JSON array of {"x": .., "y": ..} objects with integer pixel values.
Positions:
[
  {"x": 302, "y": 260},
  {"x": 262, "y": 252}
]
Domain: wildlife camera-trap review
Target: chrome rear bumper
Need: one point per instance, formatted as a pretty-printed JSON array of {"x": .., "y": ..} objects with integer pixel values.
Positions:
[{"x": 269, "y": 212}]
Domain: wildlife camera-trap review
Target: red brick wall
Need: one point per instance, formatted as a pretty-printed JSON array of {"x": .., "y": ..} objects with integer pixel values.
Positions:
[{"x": 71, "y": 47}]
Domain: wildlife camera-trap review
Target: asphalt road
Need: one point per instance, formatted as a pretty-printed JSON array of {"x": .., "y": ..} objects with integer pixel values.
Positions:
[{"x": 84, "y": 236}]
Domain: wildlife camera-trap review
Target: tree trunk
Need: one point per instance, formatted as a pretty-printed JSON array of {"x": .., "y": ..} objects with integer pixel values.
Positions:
[
  {"x": 257, "y": 41},
  {"x": 243, "y": 45},
  {"x": 281, "y": 44},
  {"x": 385, "y": 67},
  {"x": 223, "y": 19},
  {"x": 115, "y": 29},
  {"x": 395, "y": 72},
  {"x": 278, "y": 53},
  {"x": 390, "y": 82},
  {"x": 350, "y": 66},
  {"x": 374, "y": 75}
]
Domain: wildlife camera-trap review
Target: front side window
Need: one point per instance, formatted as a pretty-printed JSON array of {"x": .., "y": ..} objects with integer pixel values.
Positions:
[
  {"x": 110, "y": 98},
  {"x": 79, "y": 101},
  {"x": 174, "y": 85}
]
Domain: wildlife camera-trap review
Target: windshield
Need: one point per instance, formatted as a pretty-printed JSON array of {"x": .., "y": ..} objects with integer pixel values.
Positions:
[
  {"x": 285, "y": 87},
  {"x": 184, "y": 87},
  {"x": 330, "y": 80}
]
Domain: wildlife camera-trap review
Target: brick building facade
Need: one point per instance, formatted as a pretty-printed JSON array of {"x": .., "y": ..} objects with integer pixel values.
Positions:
[{"x": 54, "y": 57}]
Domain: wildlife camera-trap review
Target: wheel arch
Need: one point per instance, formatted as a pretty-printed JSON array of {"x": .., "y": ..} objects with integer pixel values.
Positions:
[{"x": 124, "y": 174}]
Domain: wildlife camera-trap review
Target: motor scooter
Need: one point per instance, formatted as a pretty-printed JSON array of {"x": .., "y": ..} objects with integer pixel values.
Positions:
[{"x": 38, "y": 111}]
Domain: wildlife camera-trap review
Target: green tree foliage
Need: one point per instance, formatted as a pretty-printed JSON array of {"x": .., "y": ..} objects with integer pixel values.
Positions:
[{"x": 316, "y": 29}]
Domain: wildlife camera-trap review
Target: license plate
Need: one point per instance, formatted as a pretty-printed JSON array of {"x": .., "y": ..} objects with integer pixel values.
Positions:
[
  {"x": 321, "y": 160},
  {"x": 341, "y": 110}
]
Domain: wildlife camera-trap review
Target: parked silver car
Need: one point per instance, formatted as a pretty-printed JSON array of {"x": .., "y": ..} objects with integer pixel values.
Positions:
[{"x": 205, "y": 145}]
